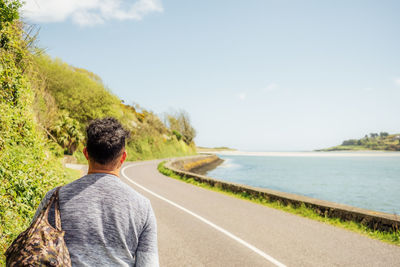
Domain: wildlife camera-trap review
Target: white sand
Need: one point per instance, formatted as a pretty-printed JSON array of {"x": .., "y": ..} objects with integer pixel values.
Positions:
[{"x": 309, "y": 154}]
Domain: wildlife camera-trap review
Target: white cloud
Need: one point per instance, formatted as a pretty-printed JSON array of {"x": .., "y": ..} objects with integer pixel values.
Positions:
[
  {"x": 271, "y": 87},
  {"x": 397, "y": 81},
  {"x": 88, "y": 12},
  {"x": 242, "y": 96},
  {"x": 368, "y": 89}
]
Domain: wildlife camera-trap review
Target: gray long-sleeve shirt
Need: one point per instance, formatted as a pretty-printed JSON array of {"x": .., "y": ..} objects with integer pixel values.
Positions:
[{"x": 106, "y": 222}]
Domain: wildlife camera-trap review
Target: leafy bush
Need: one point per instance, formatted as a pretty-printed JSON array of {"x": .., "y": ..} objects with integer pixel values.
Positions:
[
  {"x": 27, "y": 168},
  {"x": 67, "y": 133},
  {"x": 8, "y": 12},
  {"x": 177, "y": 134}
]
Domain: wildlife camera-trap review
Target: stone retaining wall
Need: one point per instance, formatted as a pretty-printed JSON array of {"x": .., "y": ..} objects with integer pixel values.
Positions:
[
  {"x": 372, "y": 219},
  {"x": 198, "y": 164}
]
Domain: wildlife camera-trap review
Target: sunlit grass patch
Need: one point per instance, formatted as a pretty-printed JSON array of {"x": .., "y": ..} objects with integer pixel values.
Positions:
[{"x": 72, "y": 175}]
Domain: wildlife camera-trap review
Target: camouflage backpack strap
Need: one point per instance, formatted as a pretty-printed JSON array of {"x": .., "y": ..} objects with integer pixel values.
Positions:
[
  {"x": 54, "y": 197},
  {"x": 44, "y": 214},
  {"x": 57, "y": 215}
]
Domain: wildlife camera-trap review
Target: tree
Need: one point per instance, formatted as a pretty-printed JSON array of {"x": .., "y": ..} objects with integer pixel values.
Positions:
[
  {"x": 67, "y": 133},
  {"x": 373, "y": 135},
  {"x": 179, "y": 123},
  {"x": 383, "y": 134}
]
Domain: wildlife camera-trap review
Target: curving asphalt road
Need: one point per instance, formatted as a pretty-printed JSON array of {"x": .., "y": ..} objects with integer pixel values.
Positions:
[{"x": 198, "y": 227}]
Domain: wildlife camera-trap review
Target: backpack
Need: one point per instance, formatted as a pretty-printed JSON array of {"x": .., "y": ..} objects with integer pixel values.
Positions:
[{"x": 40, "y": 244}]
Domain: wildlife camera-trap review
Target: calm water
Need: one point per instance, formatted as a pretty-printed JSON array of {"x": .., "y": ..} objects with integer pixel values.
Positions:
[{"x": 369, "y": 182}]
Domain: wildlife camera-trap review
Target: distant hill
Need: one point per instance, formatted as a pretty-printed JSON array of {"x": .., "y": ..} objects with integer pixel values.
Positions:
[{"x": 373, "y": 141}]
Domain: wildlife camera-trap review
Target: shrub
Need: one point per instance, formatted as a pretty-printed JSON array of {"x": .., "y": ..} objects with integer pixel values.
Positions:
[
  {"x": 67, "y": 133},
  {"x": 177, "y": 134},
  {"x": 350, "y": 142},
  {"x": 27, "y": 168}
]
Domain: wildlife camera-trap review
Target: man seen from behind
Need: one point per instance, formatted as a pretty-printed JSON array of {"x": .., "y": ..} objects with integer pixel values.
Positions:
[{"x": 106, "y": 222}]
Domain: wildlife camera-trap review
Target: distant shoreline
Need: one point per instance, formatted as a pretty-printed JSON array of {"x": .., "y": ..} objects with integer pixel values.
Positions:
[
  {"x": 308, "y": 154},
  {"x": 213, "y": 149},
  {"x": 374, "y": 142}
]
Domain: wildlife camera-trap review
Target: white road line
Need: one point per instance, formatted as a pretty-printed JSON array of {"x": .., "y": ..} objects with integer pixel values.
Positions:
[{"x": 241, "y": 241}]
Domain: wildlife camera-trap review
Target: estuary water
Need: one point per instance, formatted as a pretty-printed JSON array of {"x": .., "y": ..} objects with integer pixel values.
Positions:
[{"x": 369, "y": 180}]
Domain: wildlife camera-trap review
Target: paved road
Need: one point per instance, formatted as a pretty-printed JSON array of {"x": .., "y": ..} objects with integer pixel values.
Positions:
[{"x": 198, "y": 227}]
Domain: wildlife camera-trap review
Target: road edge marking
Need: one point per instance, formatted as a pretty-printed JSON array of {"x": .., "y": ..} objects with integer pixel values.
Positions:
[{"x": 220, "y": 229}]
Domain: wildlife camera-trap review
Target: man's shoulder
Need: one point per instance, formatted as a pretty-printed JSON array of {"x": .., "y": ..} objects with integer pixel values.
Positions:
[
  {"x": 105, "y": 185},
  {"x": 128, "y": 191},
  {"x": 48, "y": 195}
]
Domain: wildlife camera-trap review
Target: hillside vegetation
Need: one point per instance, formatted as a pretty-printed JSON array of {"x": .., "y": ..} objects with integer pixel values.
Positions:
[
  {"x": 373, "y": 141},
  {"x": 45, "y": 106},
  {"x": 68, "y": 98},
  {"x": 27, "y": 168}
]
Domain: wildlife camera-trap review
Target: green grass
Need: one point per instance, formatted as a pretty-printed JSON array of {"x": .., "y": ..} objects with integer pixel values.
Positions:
[
  {"x": 72, "y": 175},
  {"x": 80, "y": 158},
  {"x": 388, "y": 237}
]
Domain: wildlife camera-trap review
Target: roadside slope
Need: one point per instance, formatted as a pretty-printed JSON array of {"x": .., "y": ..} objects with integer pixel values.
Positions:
[{"x": 291, "y": 240}]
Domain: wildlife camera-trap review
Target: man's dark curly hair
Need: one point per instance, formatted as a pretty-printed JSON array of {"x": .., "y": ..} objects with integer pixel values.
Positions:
[{"x": 105, "y": 140}]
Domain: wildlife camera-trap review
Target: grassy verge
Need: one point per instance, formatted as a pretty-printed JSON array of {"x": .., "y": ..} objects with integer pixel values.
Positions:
[
  {"x": 72, "y": 175},
  {"x": 389, "y": 237},
  {"x": 80, "y": 158}
]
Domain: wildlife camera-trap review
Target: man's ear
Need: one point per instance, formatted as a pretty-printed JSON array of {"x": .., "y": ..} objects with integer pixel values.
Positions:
[
  {"x": 85, "y": 153},
  {"x": 123, "y": 157}
]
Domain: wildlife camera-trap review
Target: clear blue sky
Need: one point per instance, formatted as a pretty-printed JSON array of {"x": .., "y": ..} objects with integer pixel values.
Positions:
[{"x": 255, "y": 75}]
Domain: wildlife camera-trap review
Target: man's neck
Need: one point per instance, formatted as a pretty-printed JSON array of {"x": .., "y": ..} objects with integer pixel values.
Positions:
[{"x": 97, "y": 168}]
